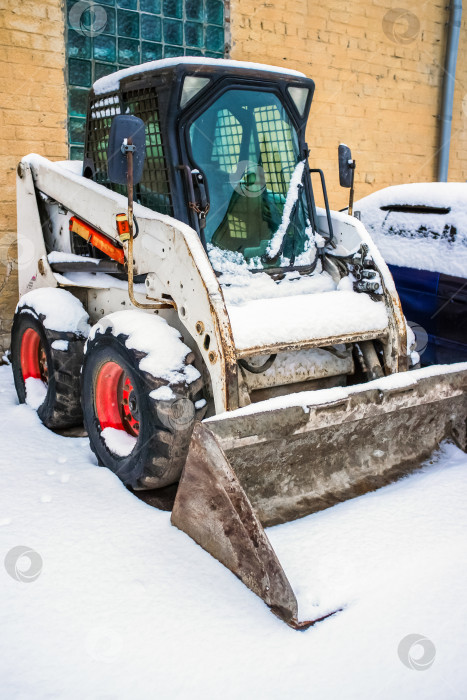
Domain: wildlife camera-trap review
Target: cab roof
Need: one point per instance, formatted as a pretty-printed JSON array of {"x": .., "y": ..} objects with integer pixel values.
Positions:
[{"x": 111, "y": 83}]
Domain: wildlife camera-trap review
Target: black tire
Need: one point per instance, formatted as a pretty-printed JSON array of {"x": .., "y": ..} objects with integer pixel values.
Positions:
[
  {"x": 61, "y": 407},
  {"x": 164, "y": 427}
]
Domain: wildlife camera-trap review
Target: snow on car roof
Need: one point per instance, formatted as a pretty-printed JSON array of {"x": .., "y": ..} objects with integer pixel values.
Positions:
[
  {"x": 110, "y": 83},
  {"x": 420, "y": 225},
  {"x": 433, "y": 194}
]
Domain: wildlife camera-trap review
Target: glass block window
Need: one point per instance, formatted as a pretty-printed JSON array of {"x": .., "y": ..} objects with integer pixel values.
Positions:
[{"x": 106, "y": 35}]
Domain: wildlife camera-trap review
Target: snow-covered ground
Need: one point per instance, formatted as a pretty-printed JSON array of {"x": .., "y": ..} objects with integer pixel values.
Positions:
[{"x": 126, "y": 606}]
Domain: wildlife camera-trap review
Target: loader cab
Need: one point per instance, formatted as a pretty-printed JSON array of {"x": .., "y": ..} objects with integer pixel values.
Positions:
[{"x": 225, "y": 151}]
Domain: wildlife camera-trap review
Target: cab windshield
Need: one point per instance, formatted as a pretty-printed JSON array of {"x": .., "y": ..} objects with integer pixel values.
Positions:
[{"x": 248, "y": 150}]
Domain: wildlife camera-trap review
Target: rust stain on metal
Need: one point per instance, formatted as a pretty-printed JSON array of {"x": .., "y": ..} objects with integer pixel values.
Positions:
[
  {"x": 224, "y": 341},
  {"x": 310, "y": 343},
  {"x": 292, "y": 463},
  {"x": 396, "y": 359}
]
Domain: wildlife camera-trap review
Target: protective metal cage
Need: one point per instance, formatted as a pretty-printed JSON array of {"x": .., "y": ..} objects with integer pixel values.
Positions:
[{"x": 153, "y": 190}]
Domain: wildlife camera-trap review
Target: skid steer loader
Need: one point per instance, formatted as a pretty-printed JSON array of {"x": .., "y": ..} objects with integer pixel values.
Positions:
[{"x": 217, "y": 330}]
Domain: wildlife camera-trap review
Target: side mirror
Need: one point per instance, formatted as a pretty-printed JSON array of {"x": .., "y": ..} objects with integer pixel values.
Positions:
[
  {"x": 347, "y": 172},
  {"x": 126, "y": 133},
  {"x": 346, "y": 166}
]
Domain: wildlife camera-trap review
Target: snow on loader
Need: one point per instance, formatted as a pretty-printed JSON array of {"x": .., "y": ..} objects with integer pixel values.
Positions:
[{"x": 244, "y": 344}]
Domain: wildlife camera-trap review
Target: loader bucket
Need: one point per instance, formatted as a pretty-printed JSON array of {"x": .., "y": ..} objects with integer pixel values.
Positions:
[{"x": 281, "y": 459}]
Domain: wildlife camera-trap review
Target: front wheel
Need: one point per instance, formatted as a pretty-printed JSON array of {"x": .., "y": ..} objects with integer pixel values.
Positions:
[{"x": 139, "y": 425}]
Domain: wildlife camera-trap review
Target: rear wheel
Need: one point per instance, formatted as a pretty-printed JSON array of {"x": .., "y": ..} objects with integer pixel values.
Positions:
[
  {"x": 46, "y": 368},
  {"x": 138, "y": 425}
]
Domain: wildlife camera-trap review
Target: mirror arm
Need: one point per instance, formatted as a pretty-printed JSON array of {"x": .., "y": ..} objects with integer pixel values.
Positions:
[
  {"x": 128, "y": 148},
  {"x": 326, "y": 202},
  {"x": 351, "y": 195}
]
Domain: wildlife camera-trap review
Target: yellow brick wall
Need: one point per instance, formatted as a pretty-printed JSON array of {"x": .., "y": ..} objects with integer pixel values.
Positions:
[
  {"x": 32, "y": 116},
  {"x": 378, "y": 80}
]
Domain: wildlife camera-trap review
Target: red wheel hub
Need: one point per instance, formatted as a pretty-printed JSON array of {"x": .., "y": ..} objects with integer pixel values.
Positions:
[
  {"x": 116, "y": 404},
  {"x": 33, "y": 356}
]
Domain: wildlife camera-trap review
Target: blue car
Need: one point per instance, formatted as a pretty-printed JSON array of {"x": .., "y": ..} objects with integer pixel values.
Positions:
[{"x": 421, "y": 231}]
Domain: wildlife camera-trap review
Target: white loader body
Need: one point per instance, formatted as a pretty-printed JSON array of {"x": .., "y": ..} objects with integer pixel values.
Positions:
[{"x": 179, "y": 273}]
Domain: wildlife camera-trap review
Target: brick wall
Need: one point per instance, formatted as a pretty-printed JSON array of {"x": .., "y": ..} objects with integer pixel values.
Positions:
[
  {"x": 378, "y": 80},
  {"x": 32, "y": 116}
]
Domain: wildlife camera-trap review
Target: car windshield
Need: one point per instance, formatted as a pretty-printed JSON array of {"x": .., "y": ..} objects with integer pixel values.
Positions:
[{"x": 248, "y": 150}]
